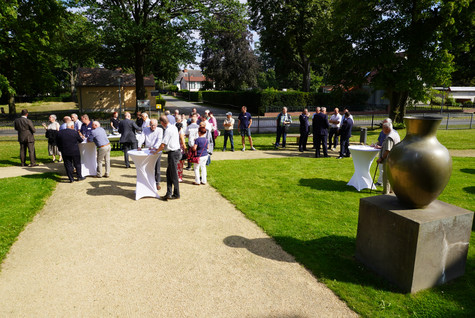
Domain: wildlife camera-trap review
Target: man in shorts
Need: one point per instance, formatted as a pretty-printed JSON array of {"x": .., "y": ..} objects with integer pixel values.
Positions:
[{"x": 244, "y": 125}]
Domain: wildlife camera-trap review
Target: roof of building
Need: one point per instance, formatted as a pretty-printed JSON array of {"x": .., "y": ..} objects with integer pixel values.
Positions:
[
  {"x": 103, "y": 77},
  {"x": 190, "y": 75},
  {"x": 456, "y": 88}
]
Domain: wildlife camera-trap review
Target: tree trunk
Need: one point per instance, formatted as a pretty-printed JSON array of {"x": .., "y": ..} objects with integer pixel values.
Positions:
[
  {"x": 11, "y": 105},
  {"x": 306, "y": 74},
  {"x": 139, "y": 74},
  {"x": 72, "y": 82},
  {"x": 397, "y": 105}
]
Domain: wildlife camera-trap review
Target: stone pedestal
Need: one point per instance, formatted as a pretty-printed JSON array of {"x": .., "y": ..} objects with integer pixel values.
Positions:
[{"x": 413, "y": 248}]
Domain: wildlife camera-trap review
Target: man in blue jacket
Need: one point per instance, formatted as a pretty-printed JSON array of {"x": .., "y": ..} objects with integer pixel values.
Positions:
[
  {"x": 345, "y": 134},
  {"x": 68, "y": 141}
]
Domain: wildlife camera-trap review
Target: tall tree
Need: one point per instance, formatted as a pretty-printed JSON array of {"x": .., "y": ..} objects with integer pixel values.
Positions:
[
  {"x": 27, "y": 57},
  {"x": 227, "y": 57},
  {"x": 400, "y": 42},
  {"x": 135, "y": 31},
  {"x": 462, "y": 39},
  {"x": 286, "y": 29},
  {"x": 79, "y": 45}
]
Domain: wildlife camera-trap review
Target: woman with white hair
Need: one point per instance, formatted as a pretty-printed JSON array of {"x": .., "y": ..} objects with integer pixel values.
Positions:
[
  {"x": 146, "y": 121},
  {"x": 51, "y": 133}
]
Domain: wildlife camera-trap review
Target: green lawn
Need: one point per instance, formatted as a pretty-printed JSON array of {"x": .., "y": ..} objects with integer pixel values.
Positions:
[
  {"x": 20, "y": 199},
  {"x": 307, "y": 207},
  {"x": 452, "y": 139}
]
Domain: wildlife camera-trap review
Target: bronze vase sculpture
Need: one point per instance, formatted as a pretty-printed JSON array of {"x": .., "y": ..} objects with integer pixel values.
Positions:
[{"x": 419, "y": 167}]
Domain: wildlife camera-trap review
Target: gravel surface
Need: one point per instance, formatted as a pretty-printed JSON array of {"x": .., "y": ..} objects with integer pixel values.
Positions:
[{"x": 93, "y": 251}]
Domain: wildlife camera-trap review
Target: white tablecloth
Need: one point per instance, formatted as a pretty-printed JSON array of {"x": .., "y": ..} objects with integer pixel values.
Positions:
[
  {"x": 145, "y": 166},
  {"x": 88, "y": 152},
  {"x": 363, "y": 156}
]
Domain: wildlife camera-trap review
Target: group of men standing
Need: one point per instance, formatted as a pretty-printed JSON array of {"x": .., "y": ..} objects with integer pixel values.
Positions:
[
  {"x": 71, "y": 133},
  {"x": 322, "y": 128}
]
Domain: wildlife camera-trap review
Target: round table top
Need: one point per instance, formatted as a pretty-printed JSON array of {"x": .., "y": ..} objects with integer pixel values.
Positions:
[
  {"x": 363, "y": 148},
  {"x": 143, "y": 152}
]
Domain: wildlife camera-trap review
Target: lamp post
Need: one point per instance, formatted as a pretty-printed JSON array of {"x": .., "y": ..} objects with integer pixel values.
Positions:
[
  {"x": 189, "y": 86},
  {"x": 119, "y": 79}
]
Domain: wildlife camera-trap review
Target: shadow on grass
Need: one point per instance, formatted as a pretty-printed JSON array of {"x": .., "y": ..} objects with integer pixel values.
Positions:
[
  {"x": 330, "y": 185},
  {"x": 47, "y": 175},
  {"x": 103, "y": 188},
  {"x": 470, "y": 190},
  {"x": 468, "y": 170},
  {"x": 332, "y": 258},
  {"x": 264, "y": 247}
]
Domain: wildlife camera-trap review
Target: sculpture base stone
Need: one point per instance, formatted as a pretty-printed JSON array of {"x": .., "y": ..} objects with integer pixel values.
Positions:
[{"x": 413, "y": 248}]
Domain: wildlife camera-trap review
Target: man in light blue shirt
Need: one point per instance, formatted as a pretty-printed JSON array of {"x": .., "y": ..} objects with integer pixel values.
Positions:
[{"x": 99, "y": 136}]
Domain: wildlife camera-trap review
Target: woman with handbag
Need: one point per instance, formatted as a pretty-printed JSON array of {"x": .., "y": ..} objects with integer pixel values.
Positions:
[
  {"x": 181, "y": 162},
  {"x": 51, "y": 133},
  {"x": 201, "y": 156}
]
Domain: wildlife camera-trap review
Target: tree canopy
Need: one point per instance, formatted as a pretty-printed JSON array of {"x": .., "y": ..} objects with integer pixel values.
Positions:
[{"x": 228, "y": 58}]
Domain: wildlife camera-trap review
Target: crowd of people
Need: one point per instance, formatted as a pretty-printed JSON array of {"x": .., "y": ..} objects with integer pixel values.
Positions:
[
  {"x": 189, "y": 140},
  {"x": 323, "y": 129}
]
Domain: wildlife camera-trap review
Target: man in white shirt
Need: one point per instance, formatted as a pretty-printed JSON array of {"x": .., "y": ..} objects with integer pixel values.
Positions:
[
  {"x": 171, "y": 143},
  {"x": 152, "y": 137},
  {"x": 191, "y": 132},
  {"x": 335, "y": 122}
]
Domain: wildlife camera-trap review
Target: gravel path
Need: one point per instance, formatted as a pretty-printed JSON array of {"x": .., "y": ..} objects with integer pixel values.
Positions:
[{"x": 93, "y": 251}]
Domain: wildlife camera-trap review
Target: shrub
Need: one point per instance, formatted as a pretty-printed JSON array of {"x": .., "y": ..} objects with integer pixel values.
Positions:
[
  {"x": 436, "y": 100},
  {"x": 468, "y": 103}
]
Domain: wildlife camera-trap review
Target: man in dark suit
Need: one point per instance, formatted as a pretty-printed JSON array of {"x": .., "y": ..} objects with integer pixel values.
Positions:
[
  {"x": 26, "y": 129},
  {"x": 68, "y": 143},
  {"x": 127, "y": 129},
  {"x": 304, "y": 130},
  {"x": 345, "y": 134},
  {"x": 320, "y": 132}
]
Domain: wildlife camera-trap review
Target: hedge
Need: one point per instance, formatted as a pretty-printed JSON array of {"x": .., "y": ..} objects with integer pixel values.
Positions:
[{"x": 258, "y": 102}]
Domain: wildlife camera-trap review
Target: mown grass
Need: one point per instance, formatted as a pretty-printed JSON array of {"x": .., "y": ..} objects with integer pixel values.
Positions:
[
  {"x": 306, "y": 206},
  {"x": 20, "y": 199},
  {"x": 452, "y": 139}
]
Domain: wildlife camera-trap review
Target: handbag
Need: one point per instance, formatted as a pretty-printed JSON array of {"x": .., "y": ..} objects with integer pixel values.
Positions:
[{"x": 194, "y": 158}]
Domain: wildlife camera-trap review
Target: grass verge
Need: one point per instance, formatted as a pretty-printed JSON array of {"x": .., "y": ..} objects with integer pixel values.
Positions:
[
  {"x": 310, "y": 211},
  {"x": 20, "y": 199}
]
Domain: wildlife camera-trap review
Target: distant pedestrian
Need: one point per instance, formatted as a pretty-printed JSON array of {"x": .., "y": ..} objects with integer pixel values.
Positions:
[
  {"x": 244, "y": 126},
  {"x": 335, "y": 122},
  {"x": 283, "y": 123},
  {"x": 345, "y": 133},
  {"x": 114, "y": 122},
  {"x": 51, "y": 133},
  {"x": 201, "y": 148},
  {"x": 228, "y": 130},
  {"x": 99, "y": 137},
  {"x": 68, "y": 141},
  {"x": 304, "y": 130},
  {"x": 26, "y": 138}
]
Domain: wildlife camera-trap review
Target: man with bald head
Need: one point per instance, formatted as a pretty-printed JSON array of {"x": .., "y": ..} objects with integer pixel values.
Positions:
[
  {"x": 99, "y": 137},
  {"x": 68, "y": 141}
]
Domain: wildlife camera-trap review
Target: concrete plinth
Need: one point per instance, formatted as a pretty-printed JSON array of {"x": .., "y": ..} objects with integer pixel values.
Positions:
[{"x": 413, "y": 248}]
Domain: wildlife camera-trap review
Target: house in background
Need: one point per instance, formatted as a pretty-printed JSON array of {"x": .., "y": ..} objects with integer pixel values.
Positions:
[
  {"x": 192, "y": 80},
  {"x": 460, "y": 94},
  {"x": 98, "y": 90}
]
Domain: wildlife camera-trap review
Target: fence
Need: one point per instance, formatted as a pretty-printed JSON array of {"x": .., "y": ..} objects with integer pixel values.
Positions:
[{"x": 261, "y": 124}]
